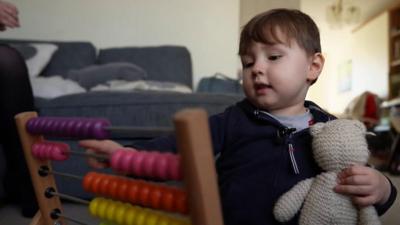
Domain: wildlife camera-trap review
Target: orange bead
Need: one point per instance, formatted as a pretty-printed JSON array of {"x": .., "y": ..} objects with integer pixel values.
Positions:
[
  {"x": 113, "y": 189},
  {"x": 104, "y": 186},
  {"x": 95, "y": 185},
  {"x": 155, "y": 197},
  {"x": 167, "y": 200},
  {"x": 181, "y": 204},
  {"x": 144, "y": 194},
  {"x": 87, "y": 181},
  {"x": 133, "y": 192},
  {"x": 122, "y": 192}
]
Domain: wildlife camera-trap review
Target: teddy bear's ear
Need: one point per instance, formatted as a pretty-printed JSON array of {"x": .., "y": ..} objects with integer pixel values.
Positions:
[{"x": 316, "y": 128}]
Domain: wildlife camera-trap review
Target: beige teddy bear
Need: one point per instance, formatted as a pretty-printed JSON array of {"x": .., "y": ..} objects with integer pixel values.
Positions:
[{"x": 336, "y": 145}]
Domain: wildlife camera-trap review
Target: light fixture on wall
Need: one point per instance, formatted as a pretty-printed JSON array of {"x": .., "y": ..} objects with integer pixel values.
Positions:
[{"x": 342, "y": 13}]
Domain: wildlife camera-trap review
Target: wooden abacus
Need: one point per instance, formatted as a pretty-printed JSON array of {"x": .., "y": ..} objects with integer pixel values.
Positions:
[{"x": 199, "y": 198}]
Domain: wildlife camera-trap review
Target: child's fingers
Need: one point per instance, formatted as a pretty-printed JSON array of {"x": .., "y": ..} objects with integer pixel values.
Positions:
[
  {"x": 90, "y": 144},
  {"x": 355, "y": 180},
  {"x": 95, "y": 163},
  {"x": 359, "y": 190},
  {"x": 353, "y": 170},
  {"x": 363, "y": 201}
]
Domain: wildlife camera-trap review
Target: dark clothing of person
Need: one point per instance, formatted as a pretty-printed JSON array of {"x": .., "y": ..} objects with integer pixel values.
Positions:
[
  {"x": 253, "y": 163},
  {"x": 15, "y": 97}
]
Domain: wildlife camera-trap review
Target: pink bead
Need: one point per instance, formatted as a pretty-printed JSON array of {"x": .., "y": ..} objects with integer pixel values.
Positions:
[
  {"x": 126, "y": 161},
  {"x": 50, "y": 151},
  {"x": 115, "y": 159},
  {"x": 60, "y": 152},
  {"x": 149, "y": 164},
  {"x": 174, "y": 170},
  {"x": 161, "y": 167},
  {"x": 137, "y": 164}
]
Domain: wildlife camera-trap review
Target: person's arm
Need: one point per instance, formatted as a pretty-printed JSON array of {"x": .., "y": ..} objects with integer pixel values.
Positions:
[
  {"x": 367, "y": 186},
  {"x": 8, "y": 16}
]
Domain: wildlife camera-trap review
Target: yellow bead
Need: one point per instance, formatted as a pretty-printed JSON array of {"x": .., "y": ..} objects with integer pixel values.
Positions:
[
  {"x": 184, "y": 222},
  {"x": 93, "y": 206},
  {"x": 174, "y": 222},
  {"x": 163, "y": 220},
  {"x": 102, "y": 209},
  {"x": 152, "y": 218},
  {"x": 110, "y": 213},
  {"x": 120, "y": 213},
  {"x": 179, "y": 221},
  {"x": 141, "y": 217},
  {"x": 130, "y": 216}
]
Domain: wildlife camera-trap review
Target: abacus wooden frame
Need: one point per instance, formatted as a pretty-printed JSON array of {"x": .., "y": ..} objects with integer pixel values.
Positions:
[{"x": 195, "y": 148}]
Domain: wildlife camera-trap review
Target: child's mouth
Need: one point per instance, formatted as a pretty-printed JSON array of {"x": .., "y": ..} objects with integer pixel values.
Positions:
[{"x": 262, "y": 89}]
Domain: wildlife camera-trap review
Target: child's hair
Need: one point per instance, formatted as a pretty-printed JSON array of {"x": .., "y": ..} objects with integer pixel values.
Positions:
[{"x": 294, "y": 24}]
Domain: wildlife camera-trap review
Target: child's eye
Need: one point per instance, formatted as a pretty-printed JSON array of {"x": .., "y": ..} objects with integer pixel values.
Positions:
[
  {"x": 274, "y": 57},
  {"x": 248, "y": 64}
]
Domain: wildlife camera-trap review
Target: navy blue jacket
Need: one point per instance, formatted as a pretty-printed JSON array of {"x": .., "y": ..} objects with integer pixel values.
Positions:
[{"x": 253, "y": 162}]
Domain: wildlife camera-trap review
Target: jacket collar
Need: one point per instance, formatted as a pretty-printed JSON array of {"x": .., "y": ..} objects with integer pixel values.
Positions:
[{"x": 319, "y": 115}]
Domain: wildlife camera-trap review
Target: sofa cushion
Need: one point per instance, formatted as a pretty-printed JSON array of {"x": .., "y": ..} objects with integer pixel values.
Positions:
[
  {"x": 162, "y": 63},
  {"x": 70, "y": 55},
  {"x": 91, "y": 76},
  {"x": 37, "y": 56}
]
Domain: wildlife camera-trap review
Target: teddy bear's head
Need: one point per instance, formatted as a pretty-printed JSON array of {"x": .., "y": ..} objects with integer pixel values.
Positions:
[{"x": 339, "y": 143}]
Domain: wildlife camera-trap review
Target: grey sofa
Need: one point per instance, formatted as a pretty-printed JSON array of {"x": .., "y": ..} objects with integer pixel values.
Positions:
[{"x": 138, "y": 108}]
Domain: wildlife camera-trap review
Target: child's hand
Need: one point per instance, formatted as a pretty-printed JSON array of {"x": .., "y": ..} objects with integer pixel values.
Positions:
[
  {"x": 103, "y": 147},
  {"x": 366, "y": 186}
]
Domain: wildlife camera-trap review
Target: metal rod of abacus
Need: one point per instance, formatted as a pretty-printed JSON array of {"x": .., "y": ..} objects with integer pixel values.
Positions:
[
  {"x": 52, "y": 192},
  {"x": 57, "y": 214},
  {"x": 103, "y": 158},
  {"x": 43, "y": 171},
  {"x": 90, "y": 128},
  {"x": 144, "y": 132}
]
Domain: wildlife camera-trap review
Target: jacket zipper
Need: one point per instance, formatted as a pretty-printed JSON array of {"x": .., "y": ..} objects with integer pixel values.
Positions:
[
  {"x": 292, "y": 158},
  {"x": 288, "y": 133}
]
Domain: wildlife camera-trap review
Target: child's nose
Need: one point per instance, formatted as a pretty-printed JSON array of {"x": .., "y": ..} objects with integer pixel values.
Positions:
[{"x": 258, "y": 70}]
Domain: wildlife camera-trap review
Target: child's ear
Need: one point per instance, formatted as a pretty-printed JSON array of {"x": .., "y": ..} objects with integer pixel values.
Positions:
[{"x": 316, "y": 65}]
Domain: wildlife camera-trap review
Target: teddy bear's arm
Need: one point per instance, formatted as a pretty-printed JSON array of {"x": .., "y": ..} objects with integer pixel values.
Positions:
[
  {"x": 368, "y": 216},
  {"x": 290, "y": 202}
]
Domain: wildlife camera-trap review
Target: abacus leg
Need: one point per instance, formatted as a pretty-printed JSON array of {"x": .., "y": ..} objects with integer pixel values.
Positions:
[
  {"x": 37, "y": 219},
  {"x": 40, "y": 183}
]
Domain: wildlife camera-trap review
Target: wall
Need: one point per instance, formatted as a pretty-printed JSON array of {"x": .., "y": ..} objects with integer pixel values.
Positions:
[
  {"x": 250, "y": 8},
  {"x": 208, "y": 28},
  {"x": 371, "y": 56}
]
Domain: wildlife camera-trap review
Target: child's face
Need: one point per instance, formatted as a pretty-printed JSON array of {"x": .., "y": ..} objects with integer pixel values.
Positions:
[{"x": 276, "y": 77}]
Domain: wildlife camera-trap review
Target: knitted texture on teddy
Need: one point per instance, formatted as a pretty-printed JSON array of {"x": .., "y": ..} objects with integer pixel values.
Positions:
[{"x": 336, "y": 145}]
